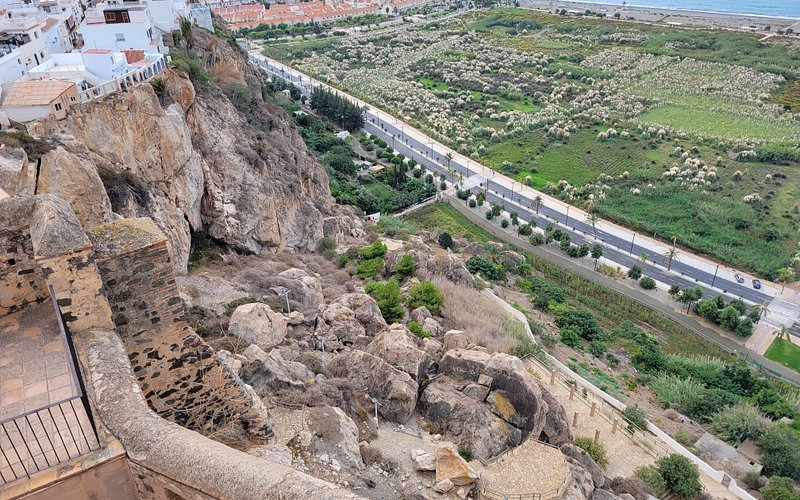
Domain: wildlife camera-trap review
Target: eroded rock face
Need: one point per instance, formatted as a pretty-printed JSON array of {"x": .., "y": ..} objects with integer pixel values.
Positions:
[
  {"x": 579, "y": 457},
  {"x": 270, "y": 373},
  {"x": 451, "y": 467},
  {"x": 455, "y": 339},
  {"x": 395, "y": 346},
  {"x": 395, "y": 390},
  {"x": 366, "y": 309},
  {"x": 336, "y": 435},
  {"x": 258, "y": 324}
]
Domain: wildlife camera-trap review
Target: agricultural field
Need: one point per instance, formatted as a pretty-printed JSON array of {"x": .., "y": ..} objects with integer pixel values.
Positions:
[{"x": 692, "y": 133}]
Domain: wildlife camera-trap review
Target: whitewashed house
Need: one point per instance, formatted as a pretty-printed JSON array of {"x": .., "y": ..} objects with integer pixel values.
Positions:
[{"x": 121, "y": 26}]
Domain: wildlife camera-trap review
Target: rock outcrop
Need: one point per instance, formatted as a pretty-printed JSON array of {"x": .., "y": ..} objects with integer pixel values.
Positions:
[
  {"x": 270, "y": 373},
  {"x": 395, "y": 346},
  {"x": 349, "y": 320},
  {"x": 336, "y": 436},
  {"x": 258, "y": 324}
]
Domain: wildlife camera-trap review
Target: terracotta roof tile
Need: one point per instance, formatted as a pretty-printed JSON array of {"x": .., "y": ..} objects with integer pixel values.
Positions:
[{"x": 34, "y": 93}]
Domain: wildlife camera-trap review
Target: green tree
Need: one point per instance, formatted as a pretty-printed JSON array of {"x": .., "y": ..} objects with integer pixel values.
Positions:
[
  {"x": 369, "y": 268},
  {"x": 785, "y": 275},
  {"x": 744, "y": 328},
  {"x": 635, "y": 272},
  {"x": 537, "y": 202},
  {"x": 445, "y": 240},
  {"x": 566, "y": 242},
  {"x": 690, "y": 296},
  {"x": 425, "y": 294},
  {"x": 524, "y": 230},
  {"x": 583, "y": 322},
  {"x": 671, "y": 255},
  {"x": 377, "y": 249},
  {"x": 597, "y": 252},
  {"x": 780, "y": 488},
  {"x": 387, "y": 295},
  {"x": 570, "y": 338},
  {"x": 405, "y": 267},
  {"x": 592, "y": 218},
  {"x": 729, "y": 318},
  {"x": 681, "y": 475}
]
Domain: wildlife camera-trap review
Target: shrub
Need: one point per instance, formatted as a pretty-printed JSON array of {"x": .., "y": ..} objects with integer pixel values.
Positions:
[
  {"x": 312, "y": 362},
  {"x": 595, "y": 450},
  {"x": 369, "y": 269},
  {"x": 425, "y": 294},
  {"x": 709, "y": 401},
  {"x": 445, "y": 240},
  {"x": 612, "y": 359},
  {"x": 545, "y": 291},
  {"x": 647, "y": 283},
  {"x": 780, "y": 447},
  {"x": 405, "y": 266},
  {"x": 583, "y": 322},
  {"x": 489, "y": 270},
  {"x": 395, "y": 227},
  {"x": 536, "y": 239},
  {"x": 465, "y": 452},
  {"x": 597, "y": 348},
  {"x": 780, "y": 488},
  {"x": 652, "y": 478},
  {"x": 158, "y": 84},
  {"x": 672, "y": 390},
  {"x": 570, "y": 338},
  {"x": 744, "y": 328},
  {"x": 373, "y": 251},
  {"x": 472, "y": 203},
  {"x": 632, "y": 486},
  {"x": 387, "y": 295},
  {"x": 680, "y": 475},
  {"x": 635, "y": 416},
  {"x": 504, "y": 223},
  {"x": 684, "y": 438},
  {"x": 371, "y": 455},
  {"x": 417, "y": 330},
  {"x": 635, "y": 273},
  {"x": 739, "y": 422},
  {"x": 327, "y": 247},
  {"x": 754, "y": 480}
]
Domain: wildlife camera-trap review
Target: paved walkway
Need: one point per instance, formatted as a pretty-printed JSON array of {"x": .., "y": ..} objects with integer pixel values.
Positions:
[{"x": 530, "y": 468}]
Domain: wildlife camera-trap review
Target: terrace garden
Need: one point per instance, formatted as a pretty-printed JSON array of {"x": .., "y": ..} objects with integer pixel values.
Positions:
[{"x": 692, "y": 133}]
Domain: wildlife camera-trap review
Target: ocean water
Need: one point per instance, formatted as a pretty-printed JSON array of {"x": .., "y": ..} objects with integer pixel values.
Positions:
[{"x": 771, "y": 8}]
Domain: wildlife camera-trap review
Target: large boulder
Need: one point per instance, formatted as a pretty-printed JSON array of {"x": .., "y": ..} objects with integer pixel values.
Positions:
[
  {"x": 581, "y": 485},
  {"x": 556, "y": 430},
  {"x": 395, "y": 390},
  {"x": 270, "y": 373},
  {"x": 450, "y": 466},
  {"x": 350, "y": 320},
  {"x": 335, "y": 435},
  {"x": 455, "y": 339},
  {"x": 579, "y": 457},
  {"x": 306, "y": 288},
  {"x": 469, "y": 422},
  {"x": 395, "y": 346},
  {"x": 422, "y": 460},
  {"x": 366, "y": 310},
  {"x": 258, "y": 324},
  {"x": 466, "y": 364}
]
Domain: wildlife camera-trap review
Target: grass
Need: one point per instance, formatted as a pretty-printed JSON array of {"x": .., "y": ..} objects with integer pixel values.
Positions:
[
  {"x": 784, "y": 352},
  {"x": 443, "y": 216},
  {"x": 600, "y": 379}
]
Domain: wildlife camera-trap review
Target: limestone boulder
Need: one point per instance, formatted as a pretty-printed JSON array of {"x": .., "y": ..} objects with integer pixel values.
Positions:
[
  {"x": 466, "y": 364},
  {"x": 270, "y": 373},
  {"x": 306, "y": 289},
  {"x": 454, "y": 339},
  {"x": 366, "y": 310},
  {"x": 258, "y": 324},
  {"x": 581, "y": 485},
  {"x": 422, "y": 460},
  {"x": 230, "y": 360},
  {"x": 508, "y": 374},
  {"x": 395, "y": 390},
  {"x": 16, "y": 176},
  {"x": 396, "y": 346},
  {"x": 451, "y": 467},
  {"x": 338, "y": 326},
  {"x": 420, "y": 314},
  {"x": 556, "y": 425},
  {"x": 467, "y": 421},
  {"x": 336, "y": 435},
  {"x": 600, "y": 494}
]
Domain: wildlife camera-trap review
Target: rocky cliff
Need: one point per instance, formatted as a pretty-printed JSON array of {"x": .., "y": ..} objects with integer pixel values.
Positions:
[{"x": 188, "y": 158}]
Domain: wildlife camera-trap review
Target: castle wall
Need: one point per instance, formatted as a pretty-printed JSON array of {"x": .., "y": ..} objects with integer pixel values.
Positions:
[{"x": 21, "y": 279}]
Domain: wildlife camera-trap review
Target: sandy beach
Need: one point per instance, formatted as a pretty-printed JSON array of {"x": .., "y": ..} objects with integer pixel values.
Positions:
[{"x": 742, "y": 22}]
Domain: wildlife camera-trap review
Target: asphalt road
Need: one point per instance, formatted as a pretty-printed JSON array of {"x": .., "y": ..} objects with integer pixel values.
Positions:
[{"x": 621, "y": 251}]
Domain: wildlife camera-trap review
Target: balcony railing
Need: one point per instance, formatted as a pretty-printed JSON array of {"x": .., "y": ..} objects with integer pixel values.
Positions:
[{"x": 51, "y": 435}]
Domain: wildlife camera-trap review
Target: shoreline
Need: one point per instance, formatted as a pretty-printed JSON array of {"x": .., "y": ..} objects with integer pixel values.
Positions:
[
  {"x": 751, "y": 23},
  {"x": 689, "y": 11}
]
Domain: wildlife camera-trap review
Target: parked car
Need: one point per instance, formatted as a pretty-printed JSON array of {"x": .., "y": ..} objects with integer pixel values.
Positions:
[
  {"x": 757, "y": 284},
  {"x": 739, "y": 278}
]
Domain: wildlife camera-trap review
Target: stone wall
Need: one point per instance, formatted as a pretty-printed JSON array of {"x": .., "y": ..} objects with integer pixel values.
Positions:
[
  {"x": 180, "y": 375},
  {"x": 21, "y": 279}
]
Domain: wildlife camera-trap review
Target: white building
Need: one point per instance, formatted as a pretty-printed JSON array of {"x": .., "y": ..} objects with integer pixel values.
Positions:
[
  {"x": 201, "y": 16},
  {"x": 11, "y": 67},
  {"x": 25, "y": 34},
  {"x": 121, "y": 26}
]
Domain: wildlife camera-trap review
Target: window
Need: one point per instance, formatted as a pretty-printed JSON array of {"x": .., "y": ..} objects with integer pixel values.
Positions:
[
  {"x": 72, "y": 98},
  {"x": 36, "y": 34},
  {"x": 58, "y": 106},
  {"x": 120, "y": 37}
]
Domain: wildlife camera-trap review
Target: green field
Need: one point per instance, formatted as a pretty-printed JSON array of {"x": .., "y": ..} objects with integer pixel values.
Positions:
[
  {"x": 784, "y": 352},
  {"x": 446, "y": 218}
]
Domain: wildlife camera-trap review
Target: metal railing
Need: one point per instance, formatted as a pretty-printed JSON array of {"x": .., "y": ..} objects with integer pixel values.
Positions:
[
  {"x": 145, "y": 73},
  {"x": 488, "y": 492},
  {"x": 53, "y": 434}
]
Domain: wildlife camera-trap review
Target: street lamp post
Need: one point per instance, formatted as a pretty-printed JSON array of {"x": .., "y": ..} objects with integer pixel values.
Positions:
[
  {"x": 715, "y": 276},
  {"x": 566, "y": 221},
  {"x": 634, "y": 237}
]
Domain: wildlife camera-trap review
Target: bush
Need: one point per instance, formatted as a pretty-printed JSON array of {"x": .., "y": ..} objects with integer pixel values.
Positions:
[
  {"x": 635, "y": 273},
  {"x": 744, "y": 328},
  {"x": 680, "y": 475},
  {"x": 417, "y": 330},
  {"x": 373, "y": 251},
  {"x": 729, "y": 318},
  {"x": 395, "y": 227},
  {"x": 635, "y": 416},
  {"x": 466, "y": 453},
  {"x": 488, "y": 269},
  {"x": 504, "y": 223},
  {"x": 536, "y": 239},
  {"x": 425, "y": 294},
  {"x": 312, "y": 362},
  {"x": 598, "y": 348},
  {"x": 387, "y": 295},
  {"x": 703, "y": 407},
  {"x": 405, "y": 267},
  {"x": 583, "y": 322},
  {"x": 570, "y": 338},
  {"x": 739, "y": 422},
  {"x": 780, "y": 488},
  {"x": 369, "y": 269},
  {"x": 545, "y": 291},
  {"x": 647, "y": 283},
  {"x": 672, "y": 390},
  {"x": 754, "y": 480},
  {"x": 780, "y": 447},
  {"x": 472, "y": 203},
  {"x": 327, "y": 247},
  {"x": 684, "y": 438},
  {"x": 652, "y": 478},
  {"x": 445, "y": 240},
  {"x": 595, "y": 450}
]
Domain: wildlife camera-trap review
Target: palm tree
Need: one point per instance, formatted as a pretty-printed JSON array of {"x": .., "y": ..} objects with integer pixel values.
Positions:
[
  {"x": 592, "y": 219},
  {"x": 782, "y": 332},
  {"x": 448, "y": 158},
  {"x": 784, "y": 274},
  {"x": 763, "y": 310},
  {"x": 670, "y": 255},
  {"x": 537, "y": 201},
  {"x": 643, "y": 258}
]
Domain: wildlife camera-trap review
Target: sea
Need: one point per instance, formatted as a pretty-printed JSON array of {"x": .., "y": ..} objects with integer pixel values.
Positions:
[{"x": 769, "y": 8}]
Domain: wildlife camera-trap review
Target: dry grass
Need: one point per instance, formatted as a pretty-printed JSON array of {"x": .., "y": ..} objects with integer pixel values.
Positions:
[{"x": 480, "y": 317}]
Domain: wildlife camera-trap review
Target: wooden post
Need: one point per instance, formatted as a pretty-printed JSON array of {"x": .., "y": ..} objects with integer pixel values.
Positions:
[
  {"x": 614, "y": 427},
  {"x": 594, "y": 405},
  {"x": 575, "y": 419},
  {"x": 571, "y": 392},
  {"x": 597, "y": 436},
  {"x": 552, "y": 377}
]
